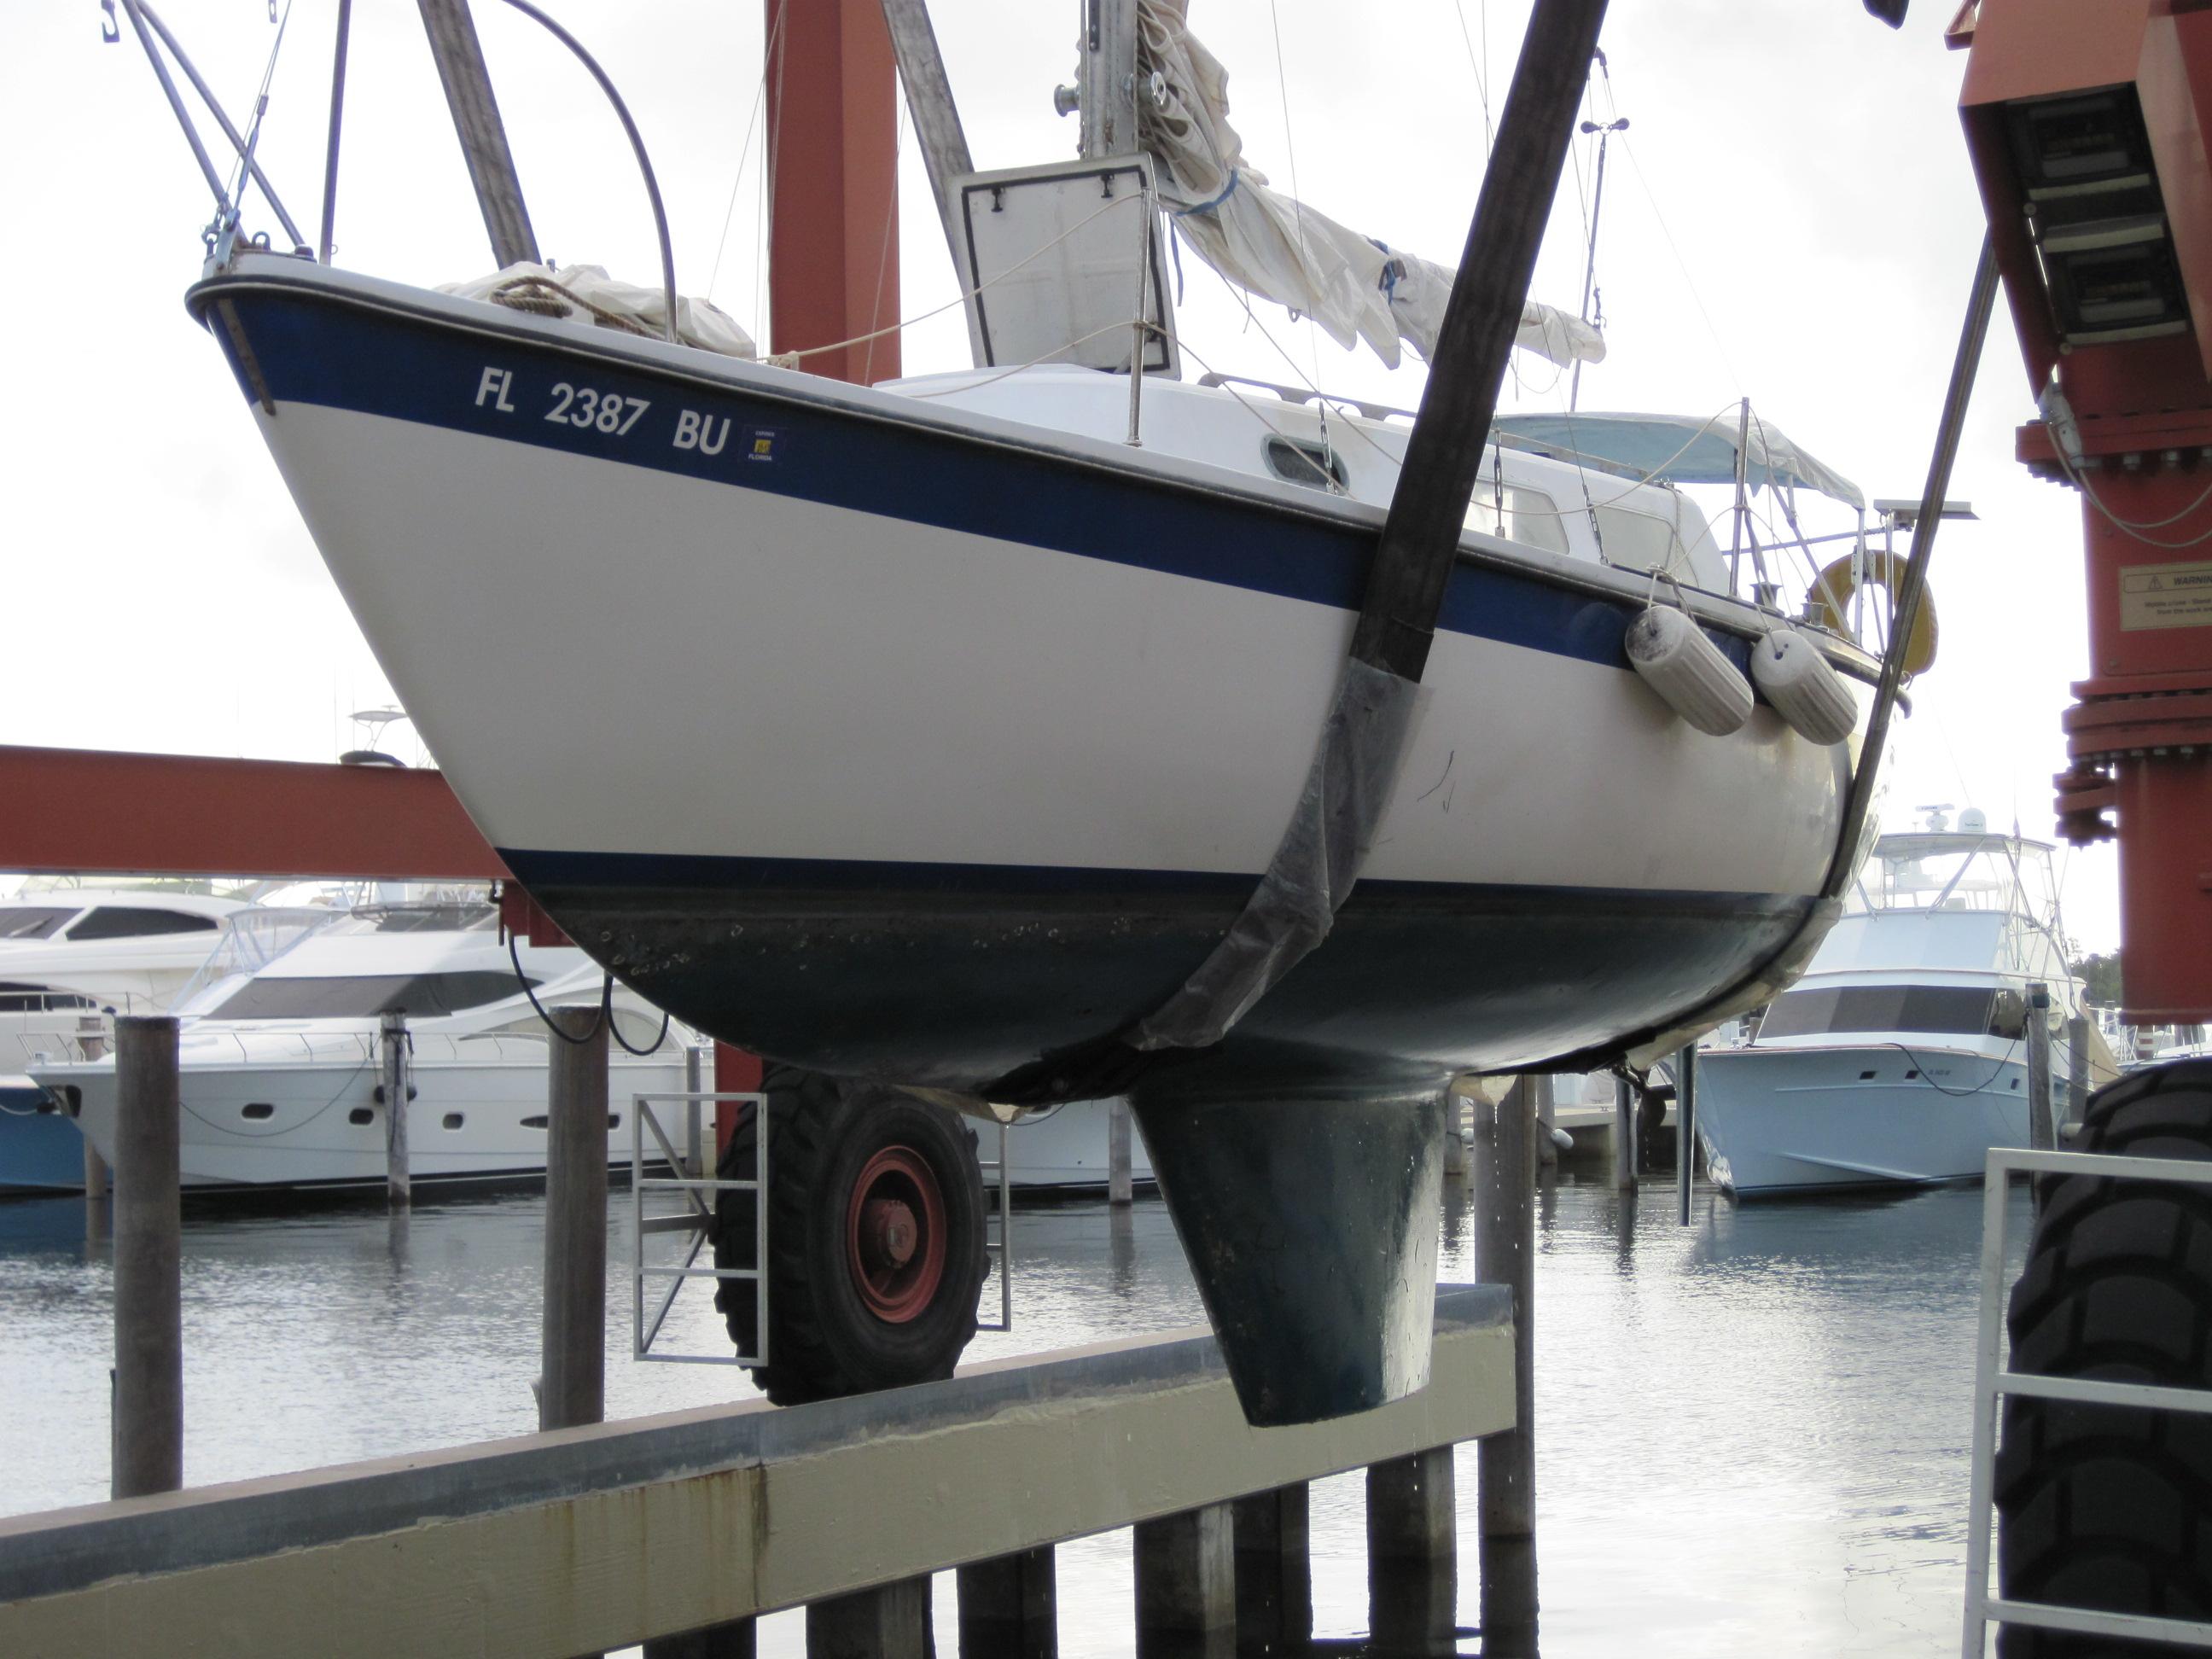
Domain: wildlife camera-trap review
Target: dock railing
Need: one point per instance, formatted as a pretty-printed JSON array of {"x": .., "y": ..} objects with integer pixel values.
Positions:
[
  {"x": 588, "y": 1538},
  {"x": 1993, "y": 1381}
]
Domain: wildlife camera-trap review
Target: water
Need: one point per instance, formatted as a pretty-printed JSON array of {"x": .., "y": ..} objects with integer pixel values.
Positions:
[{"x": 1751, "y": 1432}]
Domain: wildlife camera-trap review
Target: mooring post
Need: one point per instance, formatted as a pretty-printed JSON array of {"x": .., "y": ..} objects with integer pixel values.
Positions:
[
  {"x": 1685, "y": 1129},
  {"x": 2042, "y": 1131},
  {"x": 150, "y": 1344},
  {"x": 573, "y": 1387},
  {"x": 1624, "y": 1135},
  {"x": 889, "y": 1622},
  {"x": 1120, "y": 1187},
  {"x": 396, "y": 1084},
  {"x": 2077, "y": 1070},
  {"x": 1505, "y": 1253},
  {"x": 1413, "y": 1552},
  {"x": 1273, "y": 1538},
  {"x": 1454, "y": 1134},
  {"x": 1187, "y": 1584},
  {"x": 1010, "y": 1607},
  {"x": 695, "y": 1070},
  {"x": 99, "y": 1212}
]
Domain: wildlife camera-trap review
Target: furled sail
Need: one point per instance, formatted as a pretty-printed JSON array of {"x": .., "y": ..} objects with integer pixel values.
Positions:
[{"x": 1270, "y": 244}]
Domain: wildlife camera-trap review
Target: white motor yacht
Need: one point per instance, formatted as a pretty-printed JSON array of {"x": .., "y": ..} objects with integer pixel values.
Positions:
[
  {"x": 1900, "y": 1058},
  {"x": 69, "y": 957},
  {"x": 279, "y": 1067}
]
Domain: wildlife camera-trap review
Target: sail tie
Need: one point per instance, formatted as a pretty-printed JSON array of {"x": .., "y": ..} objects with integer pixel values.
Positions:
[{"x": 1227, "y": 190}]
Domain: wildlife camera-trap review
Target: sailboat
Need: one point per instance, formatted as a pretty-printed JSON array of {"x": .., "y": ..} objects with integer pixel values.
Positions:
[{"x": 1009, "y": 680}]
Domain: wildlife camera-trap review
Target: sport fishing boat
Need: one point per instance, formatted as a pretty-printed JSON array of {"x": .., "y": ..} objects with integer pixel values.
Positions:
[
  {"x": 279, "y": 1067},
  {"x": 1900, "y": 1058},
  {"x": 70, "y": 956},
  {"x": 1041, "y": 749}
]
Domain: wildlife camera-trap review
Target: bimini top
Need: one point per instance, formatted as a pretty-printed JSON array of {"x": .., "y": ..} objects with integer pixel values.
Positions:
[{"x": 1679, "y": 448}]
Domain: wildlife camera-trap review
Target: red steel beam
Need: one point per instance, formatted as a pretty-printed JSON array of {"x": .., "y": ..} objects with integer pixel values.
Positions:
[
  {"x": 80, "y": 811},
  {"x": 833, "y": 160}
]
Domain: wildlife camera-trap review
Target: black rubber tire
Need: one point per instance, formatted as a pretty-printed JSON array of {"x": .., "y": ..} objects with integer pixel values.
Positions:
[
  {"x": 2108, "y": 1506},
  {"x": 823, "y": 1341}
]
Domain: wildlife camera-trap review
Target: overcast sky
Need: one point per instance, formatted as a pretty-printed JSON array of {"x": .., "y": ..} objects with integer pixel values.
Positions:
[{"x": 1791, "y": 218}]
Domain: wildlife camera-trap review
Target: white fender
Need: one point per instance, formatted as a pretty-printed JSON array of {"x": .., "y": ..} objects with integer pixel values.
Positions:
[
  {"x": 1688, "y": 671},
  {"x": 1803, "y": 689}
]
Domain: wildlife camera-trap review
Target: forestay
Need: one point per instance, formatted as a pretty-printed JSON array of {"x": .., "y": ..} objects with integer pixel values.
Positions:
[{"x": 1355, "y": 286}]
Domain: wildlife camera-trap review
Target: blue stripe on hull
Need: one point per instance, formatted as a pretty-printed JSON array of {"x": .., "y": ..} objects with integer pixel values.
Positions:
[
  {"x": 328, "y": 352},
  {"x": 40, "y": 1151}
]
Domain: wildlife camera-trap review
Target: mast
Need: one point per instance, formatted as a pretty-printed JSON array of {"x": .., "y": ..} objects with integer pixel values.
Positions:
[
  {"x": 929, "y": 100},
  {"x": 1106, "y": 84},
  {"x": 483, "y": 137}
]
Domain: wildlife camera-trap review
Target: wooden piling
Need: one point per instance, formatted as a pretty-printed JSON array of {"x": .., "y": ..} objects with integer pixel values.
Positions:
[
  {"x": 1685, "y": 1129},
  {"x": 2042, "y": 1129},
  {"x": 573, "y": 1385},
  {"x": 890, "y": 1622},
  {"x": 1120, "y": 1186},
  {"x": 1505, "y": 1253},
  {"x": 1009, "y": 1607},
  {"x": 733, "y": 1639},
  {"x": 149, "y": 1361},
  {"x": 397, "y": 1084},
  {"x": 2077, "y": 1070},
  {"x": 99, "y": 1179},
  {"x": 1273, "y": 1541},
  {"x": 1187, "y": 1584},
  {"x": 1624, "y": 1135},
  {"x": 1413, "y": 1552}
]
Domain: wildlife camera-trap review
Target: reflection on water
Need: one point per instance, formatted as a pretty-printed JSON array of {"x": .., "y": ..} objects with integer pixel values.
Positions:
[{"x": 1752, "y": 1432}]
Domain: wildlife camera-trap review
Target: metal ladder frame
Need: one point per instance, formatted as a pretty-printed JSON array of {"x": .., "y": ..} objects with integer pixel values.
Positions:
[
  {"x": 691, "y": 1179},
  {"x": 1003, "y": 1246},
  {"x": 1993, "y": 1381}
]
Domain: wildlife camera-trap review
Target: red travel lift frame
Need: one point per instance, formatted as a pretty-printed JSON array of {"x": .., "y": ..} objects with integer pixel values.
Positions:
[{"x": 2089, "y": 127}]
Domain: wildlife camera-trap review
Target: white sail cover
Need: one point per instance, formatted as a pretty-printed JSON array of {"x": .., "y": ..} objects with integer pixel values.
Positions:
[
  {"x": 1270, "y": 244},
  {"x": 587, "y": 294}
]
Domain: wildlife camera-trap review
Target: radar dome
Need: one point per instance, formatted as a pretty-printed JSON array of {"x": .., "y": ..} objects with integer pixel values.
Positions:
[{"x": 1973, "y": 822}]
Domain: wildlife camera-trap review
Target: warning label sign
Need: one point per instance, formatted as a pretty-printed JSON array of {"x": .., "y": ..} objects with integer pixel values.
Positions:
[{"x": 2165, "y": 596}]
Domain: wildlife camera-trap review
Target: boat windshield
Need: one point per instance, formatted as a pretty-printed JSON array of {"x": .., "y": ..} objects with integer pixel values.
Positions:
[
  {"x": 456, "y": 918},
  {"x": 1953, "y": 1010},
  {"x": 32, "y": 921},
  {"x": 1936, "y": 872},
  {"x": 364, "y": 996}
]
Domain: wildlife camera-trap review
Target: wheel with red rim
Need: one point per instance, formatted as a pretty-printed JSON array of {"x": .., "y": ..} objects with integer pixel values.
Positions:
[{"x": 875, "y": 1239}]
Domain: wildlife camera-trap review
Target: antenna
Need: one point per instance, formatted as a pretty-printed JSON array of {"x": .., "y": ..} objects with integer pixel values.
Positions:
[{"x": 1605, "y": 130}]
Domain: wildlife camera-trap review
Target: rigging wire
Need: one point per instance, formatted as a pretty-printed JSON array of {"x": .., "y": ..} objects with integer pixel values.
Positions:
[
  {"x": 1628, "y": 148},
  {"x": 1482, "y": 81},
  {"x": 738, "y": 179},
  {"x": 1298, "y": 203}
]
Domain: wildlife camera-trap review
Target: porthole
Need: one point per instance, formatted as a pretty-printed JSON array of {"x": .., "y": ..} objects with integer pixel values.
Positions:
[
  {"x": 257, "y": 1110},
  {"x": 361, "y": 1114},
  {"x": 451, "y": 1120},
  {"x": 1310, "y": 465},
  {"x": 536, "y": 1122}
]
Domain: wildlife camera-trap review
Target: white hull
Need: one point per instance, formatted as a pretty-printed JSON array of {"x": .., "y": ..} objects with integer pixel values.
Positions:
[
  {"x": 1064, "y": 1148},
  {"x": 1797, "y": 1120}
]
